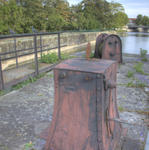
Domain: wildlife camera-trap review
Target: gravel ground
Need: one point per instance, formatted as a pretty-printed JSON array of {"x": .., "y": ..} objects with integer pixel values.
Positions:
[{"x": 26, "y": 112}]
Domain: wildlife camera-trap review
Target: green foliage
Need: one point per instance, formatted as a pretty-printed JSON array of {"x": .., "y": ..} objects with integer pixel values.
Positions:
[
  {"x": 130, "y": 74},
  {"x": 49, "y": 58},
  {"x": 92, "y": 55},
  {"x": 120, "y": 108},
  {"x": 56, "y": 15},
  {"x": 138, "y": 84},
  {"x": 144, "y": 59},
  {"x": 30, "y": 80},
  {"x": 2, "y": 92},
  {"x": 143, "y": 54},
  {"x": 142, "y": 20},
  {"x": 65, "y": 56},
  {"x": 130, "y": 84},
  {"x": 139, "y": 68},
  {"x": 28, "y": 146},
  {"x": 120, "y": 19}
]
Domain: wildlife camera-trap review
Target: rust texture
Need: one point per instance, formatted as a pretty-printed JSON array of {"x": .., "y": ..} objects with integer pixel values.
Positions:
[
  {"x": 88, "y": 51},
  {"x": 85, "y": 97},
  {"x": 108, "y": 47}
]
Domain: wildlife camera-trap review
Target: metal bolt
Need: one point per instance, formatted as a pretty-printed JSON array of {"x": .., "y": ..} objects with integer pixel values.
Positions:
[
  {"x": 98, "y": 89},
  {"x": 87, "y": 78},
  {"x": 63, "y": 75},
  {"x": 98, "y": 76}
]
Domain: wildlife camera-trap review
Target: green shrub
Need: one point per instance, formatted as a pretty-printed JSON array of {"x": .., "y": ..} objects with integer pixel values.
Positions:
[
  {"x": 139, "y": 68},
  {"x": 53, "y": 58},
  {"x": 120, "y": 108},
  {"x": 130, "y": 74},
  {"x": 49, "y": 58},
  {"x": 143, "y": 53},
  {"x": 130, "y": 84},
  {"x": 30, "y": 80},
  {"x": 144, "y": 59},
  {"x": 65, "y": 56},
  {"x": 138, "y": 84}
]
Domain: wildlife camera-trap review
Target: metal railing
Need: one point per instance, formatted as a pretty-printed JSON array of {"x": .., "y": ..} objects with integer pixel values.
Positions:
[
  {"x": 38, "y": 46},
  {"x": 4, "y": 56}
]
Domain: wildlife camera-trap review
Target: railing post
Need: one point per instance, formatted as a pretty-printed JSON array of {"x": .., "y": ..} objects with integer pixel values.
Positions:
[
  {"x": 15, "y": 49},
  {"x": 1, "y": 77},
  {"x": 59, "y": 46},
  {"x": 41, "y": 45},
  {"x": 36, "y": 55}
]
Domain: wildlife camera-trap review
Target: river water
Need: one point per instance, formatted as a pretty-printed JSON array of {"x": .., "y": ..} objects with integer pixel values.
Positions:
[{"x": 133, "y": 41}]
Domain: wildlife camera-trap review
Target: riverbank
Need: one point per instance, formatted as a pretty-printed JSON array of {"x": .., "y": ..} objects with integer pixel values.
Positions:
[{"x": 25, "y": 113}]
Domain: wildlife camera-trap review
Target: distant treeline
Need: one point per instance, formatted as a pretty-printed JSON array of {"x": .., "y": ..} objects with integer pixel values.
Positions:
[
  {"x": 23, "y": 16},
  {"x": 142, "y": 20}
]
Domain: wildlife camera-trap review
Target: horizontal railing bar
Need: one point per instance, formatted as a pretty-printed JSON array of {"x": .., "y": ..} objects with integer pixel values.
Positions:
[
  {"x": 4, "y": 59},
  {"x": 28, "y": 34},
  {"x": 20, "y": 50},
  {"x": 46, "y": 33}
]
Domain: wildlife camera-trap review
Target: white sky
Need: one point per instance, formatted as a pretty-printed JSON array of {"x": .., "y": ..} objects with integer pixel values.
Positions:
[{"x": 132, "y": 7}]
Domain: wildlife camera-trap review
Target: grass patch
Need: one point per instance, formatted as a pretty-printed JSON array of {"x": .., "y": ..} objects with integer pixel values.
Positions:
[
  {"x": 143, "y": 54},
  {"x": 50, "y": 75},
  {"x": 52, "y": 58},
  {"x": 49, "y": 58},
  {"x": 130, "y": 74},
  {"x": 2, "y": 92},
  {"x": 30, "y": 80},
  {"x": 92, "y": 54},
  {"x": 28, "y": 146},
  {"x": 144, "y": 59},
  {"x": 139, "y": 68},
  {"x": 120, "y": 108},
  {"x": 138, "y": 84}
]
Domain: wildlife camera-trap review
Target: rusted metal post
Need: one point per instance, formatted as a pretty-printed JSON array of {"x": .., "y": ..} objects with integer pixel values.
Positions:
[
  {"x": 85, "y": 99},
  {"x": 40, "y": 45},
  {"x": 108, "y": 47},
  {"x": 36, "y": 55},
  {"x": 59, "y": 46},
  {"x": 88, "y": 51},
  {"x": 1, "y": 76},
  {"x": 15, "y": 49}
]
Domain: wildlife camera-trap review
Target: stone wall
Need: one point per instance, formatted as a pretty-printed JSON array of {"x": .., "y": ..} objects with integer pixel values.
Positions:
[{"x": 72, "y": 41}]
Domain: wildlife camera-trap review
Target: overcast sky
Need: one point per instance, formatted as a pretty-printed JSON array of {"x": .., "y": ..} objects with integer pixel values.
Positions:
[{"x": 132, "y": 7}]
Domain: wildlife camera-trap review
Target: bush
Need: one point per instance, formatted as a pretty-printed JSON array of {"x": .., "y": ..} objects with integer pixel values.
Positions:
[
  {"x": 49, "y": 58},
  {"x": 143, "y": 54},
  {"x": 139, "y": 68},
  {"x": 130, "y": 74}
]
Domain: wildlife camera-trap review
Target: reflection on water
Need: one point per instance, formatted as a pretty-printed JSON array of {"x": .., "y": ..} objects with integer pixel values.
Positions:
[{"x": 133, "y": 41}]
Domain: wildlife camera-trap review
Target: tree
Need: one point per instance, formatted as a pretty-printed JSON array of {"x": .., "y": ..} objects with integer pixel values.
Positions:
[
  {"x": 120, "y": 19},
  {"x": 142, "y": 20},
  {"x": 145, "y": 21},
  {"x": 139, "y": 19},
  {"x": 55, "y": 15},
  {"x": 11, "y": 17}
]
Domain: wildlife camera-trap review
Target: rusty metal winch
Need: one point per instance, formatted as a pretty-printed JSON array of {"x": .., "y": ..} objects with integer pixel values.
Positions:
[
  {"x": 108, "y": 47},
  {"x": 85, "y": 99}
]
